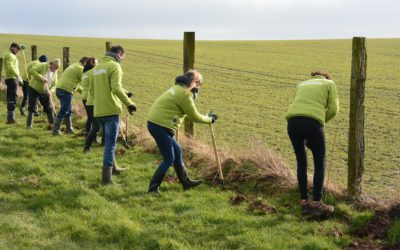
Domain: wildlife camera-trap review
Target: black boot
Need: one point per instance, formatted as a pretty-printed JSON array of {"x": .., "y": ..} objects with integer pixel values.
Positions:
[
  {"x": 10, "y": 117},
  {"x": 117, "y": 170},
  {"x": 57, "y": 125},
  {"x": 29, "y": 120},
  {"x": 50, "y": 120},
  {"x": 183, "y": 177},
  {"x": 107, "y": 176},
  {"x": 156, "y": 181}
]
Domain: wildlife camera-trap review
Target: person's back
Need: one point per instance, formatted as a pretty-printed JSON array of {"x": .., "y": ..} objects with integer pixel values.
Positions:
[{"x": 71, "y": 77}]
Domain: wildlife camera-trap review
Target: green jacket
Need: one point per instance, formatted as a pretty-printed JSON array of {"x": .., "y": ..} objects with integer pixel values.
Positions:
[
  {"x": 173, "y": 106},
  {"x": 90, "y": 97},
  {"x": 71, "y": 77},
  {"x": 37, "y": 74},
  {"x": 85, "y": 85},
  {"x": 10, "y": 65},
  {"x": 316, "y": 98},
  {"x": 29, "y": 68},
  {"x": 108, "y": 93}
]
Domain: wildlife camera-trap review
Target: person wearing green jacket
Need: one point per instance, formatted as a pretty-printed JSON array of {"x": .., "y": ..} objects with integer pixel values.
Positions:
[
  {"x": 85, "y": 84},
  {"x": 66, "y": 86},
  {"x": 12, "y": 79},
  {"x": 26, "y": 79},
  {"x": 108, "y": 96},
  {"x": 43, "y": 79},
  {"x": 165, "y": 116},
  {"x": 315, "y": 103}
]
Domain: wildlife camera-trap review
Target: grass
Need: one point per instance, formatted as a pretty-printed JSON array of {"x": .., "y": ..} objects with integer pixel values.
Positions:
[
  {"x": 51, "y": 198},
  {"x": 250, "y": 85}
]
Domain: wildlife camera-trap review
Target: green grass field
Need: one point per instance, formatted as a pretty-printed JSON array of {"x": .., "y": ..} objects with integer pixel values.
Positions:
[
  {"x": 50, "y": 193},
  {"x": 250, "y": 85}
]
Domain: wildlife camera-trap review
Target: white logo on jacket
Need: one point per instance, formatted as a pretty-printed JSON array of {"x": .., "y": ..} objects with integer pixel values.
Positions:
[
  {"x": 172, "y": 91},
  {"x": 99, "y": 72}
]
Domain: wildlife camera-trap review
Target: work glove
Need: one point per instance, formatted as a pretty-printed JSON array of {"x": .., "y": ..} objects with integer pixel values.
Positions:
[
  {"x": 131, "y": 109},
  {"x": 20, "y": 81},
  {"x": 214, "y": 117},
  {"x": 129, "y": 94}
]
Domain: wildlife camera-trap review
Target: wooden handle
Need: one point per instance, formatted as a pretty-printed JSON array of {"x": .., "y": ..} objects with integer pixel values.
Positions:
[{"x": 221, "y": 176}]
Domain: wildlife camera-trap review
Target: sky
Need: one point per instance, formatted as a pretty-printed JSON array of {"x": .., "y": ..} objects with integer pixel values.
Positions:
[{"x": 210, "y": 19}]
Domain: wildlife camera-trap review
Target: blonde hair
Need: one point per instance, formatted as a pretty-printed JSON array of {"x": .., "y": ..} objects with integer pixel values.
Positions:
[
  {"x": 194, "y": 76},
  {"x": 321, "y": 73}
]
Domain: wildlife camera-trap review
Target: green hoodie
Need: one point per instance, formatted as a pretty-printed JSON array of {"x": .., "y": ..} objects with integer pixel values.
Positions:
[
  {"x": 37, "y": 74},
  {"x": 10, "y": 65},
  {"x": 173, "y": 106},
  {"x": 85, "y": 85},
  {"x": 107, "y": 88},
  {"x": 29, "y": 68},
  {"x": 316, "y": 98},
  {"x": 71, "y": 77}
]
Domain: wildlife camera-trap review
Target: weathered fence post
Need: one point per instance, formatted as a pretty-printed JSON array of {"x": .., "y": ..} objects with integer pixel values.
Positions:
[
  {"x": 65, "y": 58},
  {"x": 1, "y": 66},
  {"x": 108, "y": 46},
  {"x": 356, "y": 121},
  {"x": 34, "y": 52},
  {"x": 188, "y": 63}
]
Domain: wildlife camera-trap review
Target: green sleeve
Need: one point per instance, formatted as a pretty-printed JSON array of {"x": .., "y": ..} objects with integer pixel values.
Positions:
[
  {"x": 188, "y": 106},
  {"x": 35, "y": 72},
  {"x": 116, "y": 86},
  {"x": 79, "y": 89},
  {"x": 55, "y": 81},
  {"x": 333, "y": 103},
  {"x": 11, "y": 67}
]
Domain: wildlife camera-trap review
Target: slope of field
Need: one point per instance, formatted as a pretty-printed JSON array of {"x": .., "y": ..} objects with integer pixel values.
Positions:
[{"x": 250, "y": 85}]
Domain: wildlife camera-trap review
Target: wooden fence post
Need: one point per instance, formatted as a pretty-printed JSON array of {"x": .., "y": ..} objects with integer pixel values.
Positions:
[
  {"x": 65, "y": 58},
  {"x": 34, "y": 52},
  {"x": 108, "y": 46},
  {"x": 188, "y": 63},
  {"x": 1, "y": 66},
  {"x": 356, "y": 132}
]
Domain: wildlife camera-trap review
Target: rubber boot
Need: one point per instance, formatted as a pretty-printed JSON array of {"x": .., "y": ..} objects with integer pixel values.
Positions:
[
  {"x": 29, "y": 120},
  {"x": 183, "y": 177},
  {"x": 10, "y": 117},
  {"x": 70, "y": 129},
  {"x": 155, "y": 182},
  {"x": 57, "y": 125},
  {"x": 117, "y": 170},
  {"x": 50, "y": 121},
  {"x": 107, "y": 176}
]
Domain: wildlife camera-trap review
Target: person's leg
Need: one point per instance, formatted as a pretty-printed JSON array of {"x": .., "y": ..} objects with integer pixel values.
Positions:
[
  {"x": 180, "y": 169},
  {"x": 11, "y": 99},
  {"x": 90, "y": 117},
  {"x": 164, "y": 144},
  {"x": 47, "y": 108},
  {"x": 91, "y": 136},
  {"x": 64, "y": 108},
  {"x": 68, "y": 115},
  {"x": 32, "y": 100},
  {"x": 25, "y": 91},
  {"x": 296, "y": 135},
  {"x": 111, "y": 127}
]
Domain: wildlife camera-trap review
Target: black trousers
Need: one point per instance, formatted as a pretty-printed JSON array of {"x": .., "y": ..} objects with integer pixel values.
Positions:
[
  {"x": 44, "y": 100},
  {"x": 90, "y": 116},
  {"x": 304, "y": 131},
  {"x": 12, "y": 85},
  {"x": 25, "y": 90}
]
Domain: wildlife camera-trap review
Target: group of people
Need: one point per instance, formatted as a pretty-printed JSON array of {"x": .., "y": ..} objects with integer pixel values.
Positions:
[{"x": 100, "y": 84}]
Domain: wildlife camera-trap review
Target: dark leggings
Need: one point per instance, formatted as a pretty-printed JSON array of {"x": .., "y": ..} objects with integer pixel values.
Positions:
[
  {"x": 90, "y": 117},
  {"x": 170, "y": 150},
  {"x": 25, "y": 91},
  {"x": 304, "y": 131}
]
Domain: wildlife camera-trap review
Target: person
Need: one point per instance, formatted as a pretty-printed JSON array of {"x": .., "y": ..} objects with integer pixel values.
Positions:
[
  {"x": 315, "y": 103},
  {"x": 109, "y": 95},
  {"x": 165, "y": 116},
  {"x": 43, "y": 79},
  {"x": 12, "y": 79},
  {"x": 85, "y": 84},
  {"x": 66, "y": 86},
  {"x": 25, "y": 77}
]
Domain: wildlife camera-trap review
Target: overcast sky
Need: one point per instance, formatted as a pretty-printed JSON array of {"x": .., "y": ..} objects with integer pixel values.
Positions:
[{"x": 211, "y": 19}]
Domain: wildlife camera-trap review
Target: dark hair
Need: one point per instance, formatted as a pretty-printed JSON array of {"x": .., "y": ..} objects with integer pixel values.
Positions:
[
  {"x": 84, "y": 59},
  {"x": 321, "y": 73},
  {"x": 15, "y": 45},
  {"x": 117, "y": 49},
  {"x": 90, "y": 63}
]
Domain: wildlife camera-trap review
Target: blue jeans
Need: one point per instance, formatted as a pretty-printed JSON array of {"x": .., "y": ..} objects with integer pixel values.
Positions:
[
  {"x": 170, "y": 150},
  {"x": 110, "y": 134},
  {"x": 65, "y": 102}
]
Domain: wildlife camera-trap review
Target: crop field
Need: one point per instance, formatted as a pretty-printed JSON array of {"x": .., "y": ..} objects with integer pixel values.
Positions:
[{"x": 250, "y": 85}]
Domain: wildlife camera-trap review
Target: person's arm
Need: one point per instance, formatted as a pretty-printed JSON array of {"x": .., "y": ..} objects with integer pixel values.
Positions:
[
  {"x": 11, "y": 67},
  {"x": 188, "y": 106},
  {"x": 116, "y": 86},
  {"x": 35, "y": 71},
  {"x": 333, "y": 102}
]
